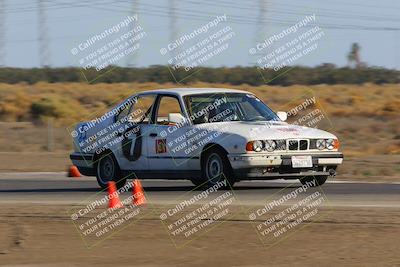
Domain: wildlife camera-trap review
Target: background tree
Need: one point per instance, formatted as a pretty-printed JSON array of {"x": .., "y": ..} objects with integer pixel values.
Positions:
[{"x": 354, "y": 56}]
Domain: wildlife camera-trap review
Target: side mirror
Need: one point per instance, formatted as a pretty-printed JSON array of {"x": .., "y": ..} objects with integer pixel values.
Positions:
[
  {"x": 130, "y": 118},
  {"x": 176, "y": 118},
  {"x": 282, "y": 115}
]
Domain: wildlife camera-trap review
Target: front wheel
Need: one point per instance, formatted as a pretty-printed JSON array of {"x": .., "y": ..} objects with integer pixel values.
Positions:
[
  {"x": 217, "y": 169},
  {"x": 315, "y": 181},
  {"x": 108, "y": 170}
]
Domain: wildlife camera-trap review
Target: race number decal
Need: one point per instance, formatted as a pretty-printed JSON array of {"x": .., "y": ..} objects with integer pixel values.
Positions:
[{"x": 161, "y": 146}]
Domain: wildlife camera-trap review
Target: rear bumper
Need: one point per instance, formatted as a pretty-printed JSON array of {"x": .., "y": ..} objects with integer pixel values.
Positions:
[
  {"x": 280, "y": 166},
  {"x": 84, "y": 163}
]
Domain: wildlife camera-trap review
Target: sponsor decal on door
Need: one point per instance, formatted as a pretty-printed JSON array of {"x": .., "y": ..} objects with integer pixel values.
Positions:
[{"x": 161, "y": 146}]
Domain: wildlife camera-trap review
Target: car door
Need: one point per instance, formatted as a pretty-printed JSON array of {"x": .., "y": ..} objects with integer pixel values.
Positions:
[
  {"x": 166, "y": 143},
  {"x": 133, "y": 127}
]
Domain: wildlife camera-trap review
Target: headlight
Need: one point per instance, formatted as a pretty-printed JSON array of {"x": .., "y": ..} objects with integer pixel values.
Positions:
[
  {"x": 270, "y": 145},
  {"x": 257, "y": 146},
  {"x": 330, "y": 144},
  {"x": 320, "y": 144}
]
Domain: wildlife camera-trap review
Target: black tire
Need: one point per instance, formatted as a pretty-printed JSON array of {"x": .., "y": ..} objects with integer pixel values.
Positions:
[
  {"x": 197, "y": 181},
  {"x": 216, "y": 168},
  {"x": 107, "y": 169},
  {"x": 319, "y": 180}
]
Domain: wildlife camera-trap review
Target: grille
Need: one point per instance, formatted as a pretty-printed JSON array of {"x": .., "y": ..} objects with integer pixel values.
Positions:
[
  {"x": 298, "y": 144},
  {"x": 293, "y": 145},
  {"x": 303, "y": 144},
  {"x": 280, "y": 144},
  {"x": 313, "y": 143}
]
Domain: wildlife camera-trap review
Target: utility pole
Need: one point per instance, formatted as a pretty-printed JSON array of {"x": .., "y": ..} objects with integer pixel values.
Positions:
[
  {"x": 2, "y": 32},
  {"x": 44, "y": 52},
  {"x": 50, "y": 135}
]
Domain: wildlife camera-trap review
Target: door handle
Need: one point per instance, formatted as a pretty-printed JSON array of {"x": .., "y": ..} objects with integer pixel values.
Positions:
[{"x": 153, "y": 135}]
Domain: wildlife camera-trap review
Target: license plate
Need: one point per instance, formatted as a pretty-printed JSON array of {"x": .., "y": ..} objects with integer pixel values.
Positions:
[{"x": 301, "y": 161}]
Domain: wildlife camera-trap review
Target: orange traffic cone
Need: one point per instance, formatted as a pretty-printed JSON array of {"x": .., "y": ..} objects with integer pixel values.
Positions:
[
  {"x": 73, "y": 171},
  {"x": 113, "y": 197},
  {"x": 137, "y": 193}
]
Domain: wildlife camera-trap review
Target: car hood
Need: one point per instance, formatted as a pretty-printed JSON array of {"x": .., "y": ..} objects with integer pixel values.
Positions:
[{"x": 261, "y": 130}]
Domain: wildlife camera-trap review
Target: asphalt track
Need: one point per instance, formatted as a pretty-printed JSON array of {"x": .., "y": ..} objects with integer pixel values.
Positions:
[{"x": 56, "y": 188}]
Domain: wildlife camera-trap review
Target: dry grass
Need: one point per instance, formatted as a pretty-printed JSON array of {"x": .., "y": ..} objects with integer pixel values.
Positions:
[{"x": 78, "y": 101}]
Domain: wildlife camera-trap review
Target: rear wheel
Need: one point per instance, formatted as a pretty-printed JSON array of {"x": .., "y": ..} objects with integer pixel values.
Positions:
[
  {"x": 108, "y": 170},
  {"x": 319, "y": 180},
  {"x": 216, "y": 169},
  {"x": 197, "y": 181}
]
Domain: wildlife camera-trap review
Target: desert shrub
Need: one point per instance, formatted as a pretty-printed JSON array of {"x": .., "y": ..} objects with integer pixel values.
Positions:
[
  {"x": 14, "y": 107},
  {"x": 64, "y": 110},
  {"x": 324, "y": 74}
]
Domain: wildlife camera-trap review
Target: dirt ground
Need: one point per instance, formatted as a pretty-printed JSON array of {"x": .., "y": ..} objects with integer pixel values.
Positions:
[{"x": 44, "y": 235}]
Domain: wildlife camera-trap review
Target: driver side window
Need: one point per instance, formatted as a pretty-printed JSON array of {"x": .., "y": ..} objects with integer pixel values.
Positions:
[{"x": 141, "y": 110}]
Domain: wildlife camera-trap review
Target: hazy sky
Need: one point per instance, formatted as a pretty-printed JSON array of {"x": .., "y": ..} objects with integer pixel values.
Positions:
[{"x": 374, "y": 25}]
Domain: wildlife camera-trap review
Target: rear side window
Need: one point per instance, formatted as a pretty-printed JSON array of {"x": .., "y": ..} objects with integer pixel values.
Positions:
[{"x": 167, "y": 105}]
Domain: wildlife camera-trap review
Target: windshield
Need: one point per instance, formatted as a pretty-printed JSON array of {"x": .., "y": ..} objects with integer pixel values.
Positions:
[{"x": 208, "y": 108}]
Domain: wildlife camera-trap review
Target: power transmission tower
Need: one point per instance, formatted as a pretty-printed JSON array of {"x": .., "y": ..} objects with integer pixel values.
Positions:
[
  {"x": 132, "y": 59},
  {"x": 261, "y": 29},
  {"x": 173, "y": 26},
  {"x": 2, "y": 32},
  {"x": 44, "y": 51},
  {"x": 260, "y": 19}
]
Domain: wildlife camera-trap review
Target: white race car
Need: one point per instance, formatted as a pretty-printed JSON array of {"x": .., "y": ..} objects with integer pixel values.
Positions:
[{"x": 206, "y": 135}]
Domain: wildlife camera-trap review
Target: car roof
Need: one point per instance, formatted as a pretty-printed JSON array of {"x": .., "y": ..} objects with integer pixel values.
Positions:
[{"x": 193, "y": 91}]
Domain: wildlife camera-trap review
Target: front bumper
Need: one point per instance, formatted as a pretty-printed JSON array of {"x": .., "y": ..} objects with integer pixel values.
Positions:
[{"x": 280, "y": 166}]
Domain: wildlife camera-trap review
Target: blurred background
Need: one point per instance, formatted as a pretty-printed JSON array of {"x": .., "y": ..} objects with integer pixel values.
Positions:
[{"x": 46, "y": 87}]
